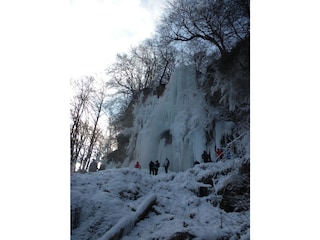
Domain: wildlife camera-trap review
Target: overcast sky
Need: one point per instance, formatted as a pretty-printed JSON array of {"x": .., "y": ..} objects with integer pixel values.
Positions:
[
  {"x": 102, "y": 28},
  {"x": 81, "y": 35}
]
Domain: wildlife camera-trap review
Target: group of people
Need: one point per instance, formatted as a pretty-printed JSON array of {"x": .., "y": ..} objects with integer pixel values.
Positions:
[
  {"x": 207, "y": 158},
  {"x": 154, "y": 166}
]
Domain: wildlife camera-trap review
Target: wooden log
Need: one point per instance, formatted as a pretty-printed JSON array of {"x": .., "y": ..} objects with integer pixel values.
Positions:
[{"x": 125, "y": 224}]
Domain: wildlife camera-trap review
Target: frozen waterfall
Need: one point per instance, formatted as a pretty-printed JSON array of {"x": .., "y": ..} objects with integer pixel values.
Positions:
[{"x": 172, "y": 126}]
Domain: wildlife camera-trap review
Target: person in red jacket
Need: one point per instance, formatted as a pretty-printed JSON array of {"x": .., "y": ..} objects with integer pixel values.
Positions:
[
  {"x": 137, "y": 165},
  {"x": 219, "y": 152}
]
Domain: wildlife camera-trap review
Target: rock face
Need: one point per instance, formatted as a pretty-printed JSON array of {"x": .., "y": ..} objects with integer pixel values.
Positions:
[
  {"x": 182, "y": 236},
  {"x": 204, "y": 191},
  {"x": 236, "y": 194},
  {"x": 93, "y": 166}
]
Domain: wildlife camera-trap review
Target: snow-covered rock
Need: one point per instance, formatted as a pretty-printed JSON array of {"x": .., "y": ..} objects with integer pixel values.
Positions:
[{"x": 112, "y": 199}]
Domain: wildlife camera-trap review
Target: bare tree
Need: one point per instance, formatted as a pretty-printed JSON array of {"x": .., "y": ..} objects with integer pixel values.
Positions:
[
  {"x": 87, "y": 108},
  {"x": 146, "y": 66},
  {"x": 218, "y": 22},
  {"x": 79, "y": 107},
  {"x": 97, "y": 106},
  {"x": 166, "y": 60}
]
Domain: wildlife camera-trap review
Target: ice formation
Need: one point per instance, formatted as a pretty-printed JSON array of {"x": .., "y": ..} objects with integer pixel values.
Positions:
[{"x": 173, "y": 126}]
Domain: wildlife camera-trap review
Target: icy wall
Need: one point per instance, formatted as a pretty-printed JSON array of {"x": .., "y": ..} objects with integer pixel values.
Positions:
[{"x": 172, "y": 126}]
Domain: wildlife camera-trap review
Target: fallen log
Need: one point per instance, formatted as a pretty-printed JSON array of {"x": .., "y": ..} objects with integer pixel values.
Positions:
[{"x": 125, "y": 224}]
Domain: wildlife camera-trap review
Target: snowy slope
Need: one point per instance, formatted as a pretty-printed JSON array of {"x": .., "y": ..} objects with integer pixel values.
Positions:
[{"x": 109, "y": 198}]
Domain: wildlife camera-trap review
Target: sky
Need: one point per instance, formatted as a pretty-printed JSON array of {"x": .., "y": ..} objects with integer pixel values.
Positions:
[
  {"x": 78, "y": 37},
  {"x": 102, "y": 28}
]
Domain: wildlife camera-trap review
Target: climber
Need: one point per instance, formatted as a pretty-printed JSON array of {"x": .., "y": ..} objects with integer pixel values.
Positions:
[{"x": 219, "y": 152}]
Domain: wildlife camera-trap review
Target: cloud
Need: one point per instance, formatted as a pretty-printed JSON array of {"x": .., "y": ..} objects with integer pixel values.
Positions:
[
  {"x": 101, "y": 29},
  {"x": 155, "y": 7}
]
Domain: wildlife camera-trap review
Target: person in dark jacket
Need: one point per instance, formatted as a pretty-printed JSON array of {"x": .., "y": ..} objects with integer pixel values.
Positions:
[
  {"x": 166, "y": 165},
  {"x": 156, "y": 167},
  {"x": 205, "y": 156},
  {"x": 151, "y": 167}
]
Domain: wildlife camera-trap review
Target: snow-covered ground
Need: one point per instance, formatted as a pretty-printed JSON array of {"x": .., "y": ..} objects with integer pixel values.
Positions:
[{"x": 109, "y": 199}]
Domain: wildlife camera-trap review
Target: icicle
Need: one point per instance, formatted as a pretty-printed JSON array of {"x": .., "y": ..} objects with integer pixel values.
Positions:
[
  {"x": 222, "y": 128},
  {"x": 172, "y": 126}
]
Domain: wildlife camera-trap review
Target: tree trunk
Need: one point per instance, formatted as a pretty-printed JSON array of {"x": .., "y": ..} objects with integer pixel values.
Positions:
[{"x": 94, "y": 133}]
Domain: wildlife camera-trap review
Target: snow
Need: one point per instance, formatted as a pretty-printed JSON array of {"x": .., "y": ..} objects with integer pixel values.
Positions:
[
  {"x": 112, "y": 199},
  {"x": 127, "y": 223}
]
